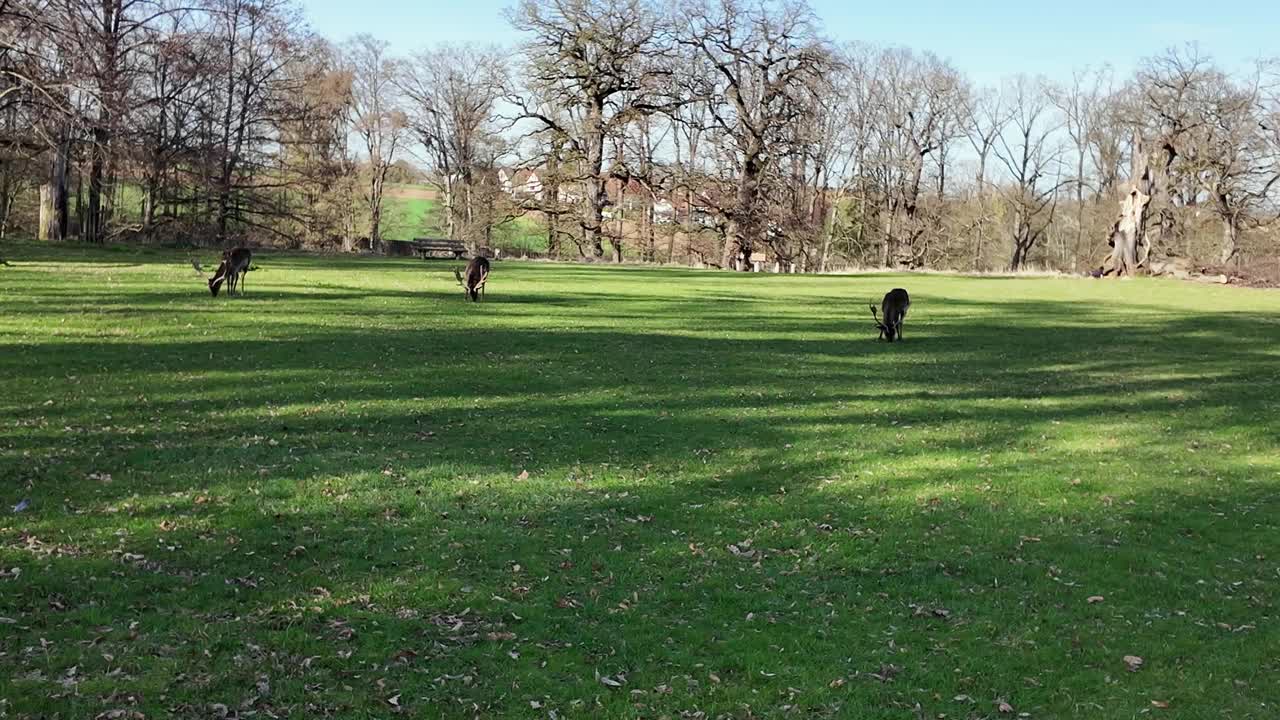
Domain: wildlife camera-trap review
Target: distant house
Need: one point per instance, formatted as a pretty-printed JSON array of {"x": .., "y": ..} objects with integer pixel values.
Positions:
[
  {"x": 623, "y": 197},
  {"x": 664, "y": 211},
  {"x": 520, "y": 182}
]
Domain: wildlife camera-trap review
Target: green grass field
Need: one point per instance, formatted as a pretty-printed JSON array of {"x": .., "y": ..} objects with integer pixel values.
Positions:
[
  {"x": 406, "y": 218},
  {"x": 631, "y": 493}
]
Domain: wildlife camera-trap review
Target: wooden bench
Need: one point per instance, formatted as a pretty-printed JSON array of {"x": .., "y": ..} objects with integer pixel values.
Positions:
[{"x": 426, "y": 247}]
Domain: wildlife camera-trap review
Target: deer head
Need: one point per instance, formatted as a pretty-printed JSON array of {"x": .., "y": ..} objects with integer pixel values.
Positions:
[
  {"x": 894, "y": 306},
  {"x": 219, "y": 277},
  {"x": 477, "y": 273}
]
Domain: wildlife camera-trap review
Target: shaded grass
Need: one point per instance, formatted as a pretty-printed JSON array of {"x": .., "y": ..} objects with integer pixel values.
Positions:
[{"x": 737, "y": 503}]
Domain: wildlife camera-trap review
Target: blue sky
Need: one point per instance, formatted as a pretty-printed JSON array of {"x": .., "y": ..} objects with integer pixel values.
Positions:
[{"x": 1001, "y": 38}]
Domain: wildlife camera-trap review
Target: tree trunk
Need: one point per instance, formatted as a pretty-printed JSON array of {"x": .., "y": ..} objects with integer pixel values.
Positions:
[
  {"x": 450, "y": 211},
  {"x": 744, "y": 228},
  {"x": 1019, "y": 244},
  {"x": 53, "y": 195},
  {"x": 886, "y": 256},
  {"x": 151, "y": 200},
  {"x": 1230, "y": 241},
  {"x": 730, "y": 235},
  {"x": 376, "y": 183},
  {"x": 651, "y": 246},
  {"x": 1128, "y": 230},
  {"x": 553, "y": 235},
  {"x": 826, "y": 239},
  {"x": 47, "y": 227},
  {"x": 593, "y": 223},
  {"x": 619, "y": 211},
  {"x": 1075, "y": 253}
]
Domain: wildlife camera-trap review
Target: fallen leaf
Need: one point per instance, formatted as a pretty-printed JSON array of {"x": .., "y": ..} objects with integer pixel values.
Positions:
[
  {"x": 394, "y": 700},
  {"x": 1004, "y": 707},
  {"x": 404, "y": 656},
  {"x": 1095, "y": 599},
  {"x": 1162, "y": 704},
  {"x": 1133, "y": 662},
  {"x": 524, "y": 475},
  {"x": 609, "y": 682},
  {"x": 886, "y": 673}
]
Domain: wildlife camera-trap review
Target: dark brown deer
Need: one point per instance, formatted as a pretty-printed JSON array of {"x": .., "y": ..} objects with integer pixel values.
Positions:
[
  {"x": 894, "y": 306},
  {"x": 474, "y": 277},
  {"x": 235, "y": 265}
]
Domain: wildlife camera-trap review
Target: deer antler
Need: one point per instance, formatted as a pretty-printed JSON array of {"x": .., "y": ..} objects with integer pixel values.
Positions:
[
  {"x": 483, "y": 278},
  {"x": 877, "y": 317}
]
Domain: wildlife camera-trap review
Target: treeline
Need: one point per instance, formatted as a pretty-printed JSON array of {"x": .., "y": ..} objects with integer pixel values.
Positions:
[{"x": 709, "y": 131}]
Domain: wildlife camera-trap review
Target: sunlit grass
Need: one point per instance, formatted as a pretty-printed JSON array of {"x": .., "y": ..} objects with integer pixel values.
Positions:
[{"x": 312, "y": 500}]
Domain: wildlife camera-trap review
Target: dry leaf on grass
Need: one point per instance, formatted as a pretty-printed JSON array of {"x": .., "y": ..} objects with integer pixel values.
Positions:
[{"x": 1133, "y": 662}]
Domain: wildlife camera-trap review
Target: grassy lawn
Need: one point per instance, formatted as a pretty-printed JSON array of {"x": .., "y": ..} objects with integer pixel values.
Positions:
[{"x": 631, "y": 493}]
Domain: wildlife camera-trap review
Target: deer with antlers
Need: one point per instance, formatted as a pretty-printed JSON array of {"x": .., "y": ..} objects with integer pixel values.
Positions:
[
  {"x": 473, "y": 278},
  {"x": 894, "y": 306},
  {"x": 234, "y": 266}
]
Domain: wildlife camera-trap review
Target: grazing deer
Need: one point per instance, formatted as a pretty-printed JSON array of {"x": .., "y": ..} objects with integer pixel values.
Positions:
[
  {"x": 235, "y": 265},
  {"x": 894, "y": 306},
  {"x": 476, "y": 274}
]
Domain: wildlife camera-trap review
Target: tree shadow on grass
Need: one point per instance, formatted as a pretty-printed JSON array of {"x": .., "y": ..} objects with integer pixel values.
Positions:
[{"x": 307, "y": 505}]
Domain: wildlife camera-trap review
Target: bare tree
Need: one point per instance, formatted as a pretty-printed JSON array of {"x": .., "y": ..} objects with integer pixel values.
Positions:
[
  {"x": 1029, "y": 152},
  {"x": 916, "y": 100},
  {"x": 602, "y": 63},
  {"x": 1168, "y": 90},
  {"x": 1234, "y": 155},
  {"x": 1081, "y": 103},
  {"x": 768, "y": 60},
  {"x": 453, "y": 92},
  {"x": 376, "y": 118}
]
